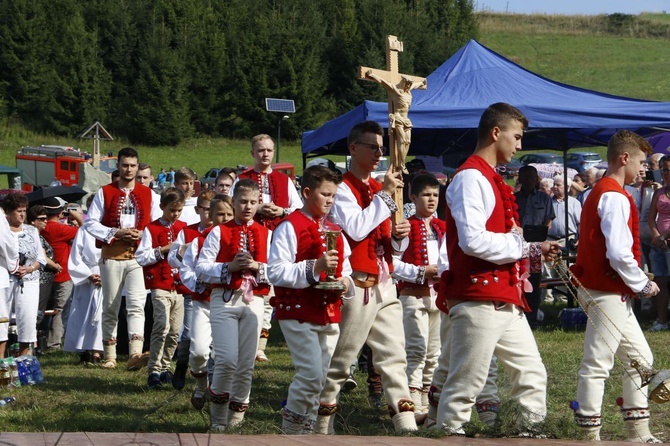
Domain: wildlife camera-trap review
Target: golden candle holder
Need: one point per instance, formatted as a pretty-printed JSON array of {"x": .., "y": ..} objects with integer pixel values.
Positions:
[{"x": 331, "y": 283}]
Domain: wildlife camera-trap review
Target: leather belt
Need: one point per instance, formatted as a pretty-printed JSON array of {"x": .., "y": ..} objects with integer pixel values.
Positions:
[
  {"x": 365, "y": 283},
  {"x": 364, "y": 280},
  {"x": 119, "y": 250}
]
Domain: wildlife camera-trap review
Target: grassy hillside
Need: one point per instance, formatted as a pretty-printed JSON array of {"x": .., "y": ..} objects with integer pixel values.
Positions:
[{"x": 584, "y": 51}]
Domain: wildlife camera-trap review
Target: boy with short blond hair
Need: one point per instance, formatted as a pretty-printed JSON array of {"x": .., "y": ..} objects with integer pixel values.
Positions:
[
  {"x": 233, "y": 259},
  {"x": 165, "y": 285},
  {"x": 309, "y": 317},
  {"x": 608, "y": 266},
  {"x": 184, "y": 179}
]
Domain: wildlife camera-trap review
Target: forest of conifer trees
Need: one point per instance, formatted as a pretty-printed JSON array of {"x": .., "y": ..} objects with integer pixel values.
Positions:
[{"x": 158, "y": 71}]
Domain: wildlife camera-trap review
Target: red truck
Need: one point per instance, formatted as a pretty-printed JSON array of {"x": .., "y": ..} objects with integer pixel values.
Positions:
[{"x": 44, "y": 164}]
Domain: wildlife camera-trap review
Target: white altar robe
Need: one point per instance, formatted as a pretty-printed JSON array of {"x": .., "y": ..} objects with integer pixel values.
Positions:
[{"x": 84, "y": 330}]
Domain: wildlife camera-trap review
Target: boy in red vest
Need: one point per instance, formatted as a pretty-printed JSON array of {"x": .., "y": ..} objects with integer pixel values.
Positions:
[
  {"x": 362, "y": 209},
  {"x": 485, "y": 284},
  {"x": 175, "y": 256},
  {"x": 233, "y": 259},
  {"x": 166, "y": 288},
  {"x": 220, "y": 211},
  {"x": 116, "y": 218},
  {"x": 308, "y": 316},
  {"x": 608, "y": 265},
  {"x": 416, "y": 270},
  {"x": 278, "y": 199}
]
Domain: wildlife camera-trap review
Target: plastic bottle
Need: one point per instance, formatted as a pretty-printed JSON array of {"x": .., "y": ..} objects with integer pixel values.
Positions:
[
  {"x": 36, "y": 370},
  {"x": 14, "y": 373},
  {"x": 6, "y": 400},
  {"x": 25, "y": 375},
  {"x": 14, "y": 350},
  {"x": 5, "y": 374}
]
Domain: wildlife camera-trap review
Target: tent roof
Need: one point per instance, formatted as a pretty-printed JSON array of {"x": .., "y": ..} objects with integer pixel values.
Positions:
[
  {"x": 445, "y": 116},
  {"x": 9, "y": 170}
]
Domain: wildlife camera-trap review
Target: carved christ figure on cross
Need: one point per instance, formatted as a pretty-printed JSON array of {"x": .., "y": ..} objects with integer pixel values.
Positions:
[{"x": 400, "y": 97}]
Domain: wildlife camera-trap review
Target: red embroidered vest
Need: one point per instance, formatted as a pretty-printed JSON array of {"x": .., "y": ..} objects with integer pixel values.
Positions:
[
  {"x": 160, "y": 275},
  {"x": 364, "y": 253},
  {"x": 593, "y": 269},
  {"x": 471, "y": 278},
  {"x": 417, "y": 250},
  {"x": 232, "y": 240},
  {"x": 278, "y": 183},
  {"x": 192, "y": 232},
  {"x": 309, "y": 304},
  {"x": 114, "y": 200}
]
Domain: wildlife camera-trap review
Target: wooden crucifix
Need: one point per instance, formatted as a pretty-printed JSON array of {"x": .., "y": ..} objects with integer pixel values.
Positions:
[{"x": 398, "y": 87}]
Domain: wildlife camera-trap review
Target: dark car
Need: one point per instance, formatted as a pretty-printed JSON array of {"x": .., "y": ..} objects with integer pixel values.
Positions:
[
  {"x": 510, "y": 169},
  {"x": 541, "y": 158},
  {"x": 210, "y": 177},
  {"x": 580, "y": 161}
]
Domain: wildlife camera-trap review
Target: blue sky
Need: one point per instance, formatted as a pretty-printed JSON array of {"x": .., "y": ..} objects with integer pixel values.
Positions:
[{"x": 573, "y": 6}]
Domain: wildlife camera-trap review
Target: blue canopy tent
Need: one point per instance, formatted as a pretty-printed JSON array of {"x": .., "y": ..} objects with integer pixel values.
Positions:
[{"x": 446, "y": 115}]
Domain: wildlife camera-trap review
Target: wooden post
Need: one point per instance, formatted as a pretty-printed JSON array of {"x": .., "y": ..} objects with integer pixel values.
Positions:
[{"x": 398, "y": 88}]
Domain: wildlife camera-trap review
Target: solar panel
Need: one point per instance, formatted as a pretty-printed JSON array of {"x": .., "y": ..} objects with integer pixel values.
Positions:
[{"x": 280, "y": 105}]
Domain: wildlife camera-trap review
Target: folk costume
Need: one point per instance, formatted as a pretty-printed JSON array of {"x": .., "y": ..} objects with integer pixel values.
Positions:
[
  {"x": 112, "y": 209},
  {"x": 166, "y": 293},
  {"x": 484, "y": 293},
  {"x": 22, "y": 297},
  {"x": 236, "y": 312},
  {"x": 275, "y": 187},
  {"x": 608, "y": 265},
  {"x": 185, "y": 236},
  {"x": 308, "y": 317},
  {"x": 198, "y": 339},
  {"x": 421, "y": 317},
  {"x": 84, "y": 324},
  {"x": 374, "y": 315},
  {"x": 488, "y": 401}
]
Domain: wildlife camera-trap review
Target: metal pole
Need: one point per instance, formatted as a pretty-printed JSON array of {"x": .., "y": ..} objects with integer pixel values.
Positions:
[
  {"x": 96, "y": 148},
  {"x": 278, "y": 139}
]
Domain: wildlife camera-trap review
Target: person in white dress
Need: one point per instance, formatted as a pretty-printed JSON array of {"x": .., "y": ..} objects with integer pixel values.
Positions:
[{"x": 22, "y": 300}]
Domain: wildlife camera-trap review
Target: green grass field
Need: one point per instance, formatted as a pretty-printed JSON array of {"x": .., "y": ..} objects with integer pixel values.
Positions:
[{"x": 77, "y": 398}]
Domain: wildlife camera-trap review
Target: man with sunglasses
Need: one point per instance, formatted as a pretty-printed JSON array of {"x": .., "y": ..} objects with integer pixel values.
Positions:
[{"x": 363, "y": 209}]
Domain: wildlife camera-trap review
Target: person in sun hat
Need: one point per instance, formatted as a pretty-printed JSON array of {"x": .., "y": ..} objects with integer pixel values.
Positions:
[{"x": 60, "y": 237}]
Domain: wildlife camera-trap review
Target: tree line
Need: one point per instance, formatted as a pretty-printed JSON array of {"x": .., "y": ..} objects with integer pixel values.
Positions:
[{"x": 159, "y": 71}]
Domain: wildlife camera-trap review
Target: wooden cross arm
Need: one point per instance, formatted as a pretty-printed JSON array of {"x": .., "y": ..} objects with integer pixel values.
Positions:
[
  {"x": 391, "y": 78},
  {"x": 388, "y": 76}
]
